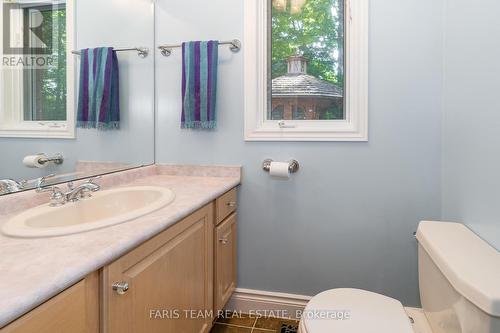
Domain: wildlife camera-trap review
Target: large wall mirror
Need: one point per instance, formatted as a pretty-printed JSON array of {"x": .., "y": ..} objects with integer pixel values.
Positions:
[{"x": 76, "y": 89}]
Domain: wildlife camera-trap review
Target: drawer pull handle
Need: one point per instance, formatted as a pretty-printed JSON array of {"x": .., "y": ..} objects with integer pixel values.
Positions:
[
  {"x": 231, "y": 204},
  {"x": 224, "y": 241},
  {"x": 120, "y": 287}
]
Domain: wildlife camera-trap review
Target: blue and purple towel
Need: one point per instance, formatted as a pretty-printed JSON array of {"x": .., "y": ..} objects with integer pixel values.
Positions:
[
  {"x": 99, "y": 95},
  {"x": 199, "y": 84}
]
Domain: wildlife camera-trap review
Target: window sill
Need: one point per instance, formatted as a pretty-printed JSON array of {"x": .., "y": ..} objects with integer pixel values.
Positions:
[
  {"x": 37, "y": 131},
  {"x": 306, "y": 135},
  {"x": 355, "y": 130}
]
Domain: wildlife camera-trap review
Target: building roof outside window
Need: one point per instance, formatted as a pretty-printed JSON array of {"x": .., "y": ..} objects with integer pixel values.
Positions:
[{"x": 297, "y": 83}]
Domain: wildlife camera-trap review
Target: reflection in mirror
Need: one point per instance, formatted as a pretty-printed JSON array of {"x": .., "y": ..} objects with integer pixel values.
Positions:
[
  {"x": 41, "y": 85},
  {"x": 37, "y": 71}
]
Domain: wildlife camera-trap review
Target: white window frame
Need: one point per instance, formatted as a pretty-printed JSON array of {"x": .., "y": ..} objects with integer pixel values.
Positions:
[
  {"x": 12, "y": 123},
  {"x": 355, "y": 125}
]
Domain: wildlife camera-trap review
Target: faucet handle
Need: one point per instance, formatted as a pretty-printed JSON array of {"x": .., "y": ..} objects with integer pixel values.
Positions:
[
  {"x": 57, "y": 197},
  {"x": 41, "y": 182},
  {"x": 91, "y": 180},
  {"x": 52, "y": 189}
]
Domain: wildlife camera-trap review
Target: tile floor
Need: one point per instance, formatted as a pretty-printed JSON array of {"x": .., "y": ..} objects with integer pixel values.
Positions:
[{"x": 247, "y": 324}]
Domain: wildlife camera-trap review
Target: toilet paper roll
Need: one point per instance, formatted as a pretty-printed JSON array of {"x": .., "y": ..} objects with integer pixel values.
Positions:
[
  {"x": 33, "y": 161},
  {"x": 279, "y": 170}
]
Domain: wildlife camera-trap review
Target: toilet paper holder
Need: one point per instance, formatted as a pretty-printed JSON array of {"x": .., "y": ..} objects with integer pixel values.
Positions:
[
  {"x": 56, "y": 159},
  {"x": 293, "y": 165}
]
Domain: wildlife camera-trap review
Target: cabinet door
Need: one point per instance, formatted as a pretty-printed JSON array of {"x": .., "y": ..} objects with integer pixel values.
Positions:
[
  {"x": 225, "y": 257},
  {"x": 75, "y": 310},
  {"x": 169, "y": 278}
]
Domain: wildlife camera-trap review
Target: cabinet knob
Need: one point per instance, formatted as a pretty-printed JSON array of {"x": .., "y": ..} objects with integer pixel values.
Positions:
[
  {"x": 223, "y": 241},
  {"x": 120, "y": 287},
  {"x": 231, "y": 204}
]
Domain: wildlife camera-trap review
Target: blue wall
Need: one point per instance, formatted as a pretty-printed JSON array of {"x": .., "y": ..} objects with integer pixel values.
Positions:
[
  {"x": 347, "y": 218},
  {"x": 471, "y": 126}
]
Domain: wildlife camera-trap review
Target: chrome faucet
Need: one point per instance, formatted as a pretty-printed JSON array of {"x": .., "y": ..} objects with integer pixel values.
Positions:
[
  {"x": 82, "y": 191},
  {"x": 59, "y": 198},
  {"x": 10, "y": 185}
]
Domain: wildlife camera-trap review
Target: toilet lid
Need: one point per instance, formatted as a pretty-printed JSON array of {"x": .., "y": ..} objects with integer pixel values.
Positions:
[{"x": 354, "y": 311}]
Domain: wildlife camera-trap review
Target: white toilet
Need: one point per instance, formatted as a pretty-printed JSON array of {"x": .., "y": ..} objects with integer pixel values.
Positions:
[{"x": 459, "y": 277}]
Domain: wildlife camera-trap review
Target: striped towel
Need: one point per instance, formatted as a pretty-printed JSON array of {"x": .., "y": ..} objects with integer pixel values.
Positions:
[
  {"x": 99, "y": 96},
  {"x": 199, "y": 84}
]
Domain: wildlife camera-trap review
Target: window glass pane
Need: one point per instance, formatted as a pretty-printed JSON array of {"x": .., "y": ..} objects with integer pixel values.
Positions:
[
  {"x": 277, "y": 112},
  {"x": 45, "y": 85},
  {"x": 307, "y": 60}
]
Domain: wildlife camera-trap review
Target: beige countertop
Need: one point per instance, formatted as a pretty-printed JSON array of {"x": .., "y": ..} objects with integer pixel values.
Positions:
[{"x": 34, "y": 270}]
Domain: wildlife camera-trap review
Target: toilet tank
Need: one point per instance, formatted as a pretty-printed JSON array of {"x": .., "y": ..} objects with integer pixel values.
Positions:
[{"x": 459, "y": 278}]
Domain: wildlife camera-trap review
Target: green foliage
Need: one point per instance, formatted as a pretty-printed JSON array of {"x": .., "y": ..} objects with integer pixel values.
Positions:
[
  {"x": 333, "y": 112},
  {"x": 49, "y": 84},
  {"x": 53, "y": 87},
  {"x": 316, "y": 33}
]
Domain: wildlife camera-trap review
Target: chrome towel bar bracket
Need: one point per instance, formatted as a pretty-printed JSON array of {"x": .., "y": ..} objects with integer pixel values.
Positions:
[
  {"x": 293, "y": 165},
  {"x": 234, "y": 46}
]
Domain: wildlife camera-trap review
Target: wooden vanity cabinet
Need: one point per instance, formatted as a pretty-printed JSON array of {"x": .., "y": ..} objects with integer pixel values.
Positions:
[
  {"x": 173, "y": 283},
  {"x": 170, "y": 281},
  {"x": 75, "y": 310}
]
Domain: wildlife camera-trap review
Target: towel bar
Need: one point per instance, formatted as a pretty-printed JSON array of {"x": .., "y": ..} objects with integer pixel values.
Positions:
[
  {"x": 234, "y": 46},
  {"x": 142, "y": 52}
]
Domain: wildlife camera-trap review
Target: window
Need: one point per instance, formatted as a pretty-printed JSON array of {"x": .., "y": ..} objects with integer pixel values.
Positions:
[
  {"x": 311, "y": 63},
  {"x": 36, "y": 95}
]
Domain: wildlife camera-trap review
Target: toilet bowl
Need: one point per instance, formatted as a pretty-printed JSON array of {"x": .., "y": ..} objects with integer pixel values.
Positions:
[
  {"x": 353, "y": 311},
  {"x": 459, "y": 278}
]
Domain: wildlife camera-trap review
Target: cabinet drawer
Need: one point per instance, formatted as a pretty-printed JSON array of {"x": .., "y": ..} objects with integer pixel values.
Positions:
[{"x": 226, "y": 204}]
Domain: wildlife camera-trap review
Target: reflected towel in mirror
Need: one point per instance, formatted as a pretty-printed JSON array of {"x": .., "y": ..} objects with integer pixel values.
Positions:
[{"x": 99, "y": 97}]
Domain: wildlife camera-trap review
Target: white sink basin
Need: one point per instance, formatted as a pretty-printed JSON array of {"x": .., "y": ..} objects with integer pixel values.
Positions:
[{"x": 103, "y": 209}]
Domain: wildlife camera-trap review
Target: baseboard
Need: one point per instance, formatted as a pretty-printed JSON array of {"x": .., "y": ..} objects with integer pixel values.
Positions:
[{"x": 267, "y": 303}]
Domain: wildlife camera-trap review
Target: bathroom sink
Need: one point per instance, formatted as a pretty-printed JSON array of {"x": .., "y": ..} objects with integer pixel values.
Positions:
[{"x": 103, "y": 209}]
